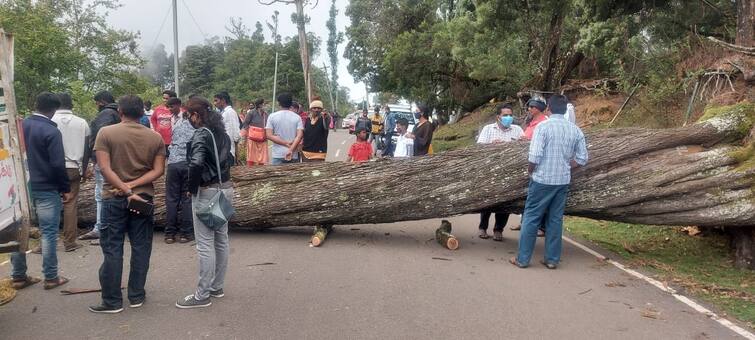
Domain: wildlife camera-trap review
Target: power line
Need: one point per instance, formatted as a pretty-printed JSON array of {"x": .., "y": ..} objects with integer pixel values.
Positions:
[
  {"x": 194, "y": 20},
  {"x": 159, "y": 31}
]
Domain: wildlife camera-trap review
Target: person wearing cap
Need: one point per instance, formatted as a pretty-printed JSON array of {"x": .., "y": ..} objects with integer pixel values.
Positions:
[
  {"x": 558, "y": 146},
  {"x": 502, "y": 131},
  {"x": 315, "y": 142},
  {"x": 536, "y": 109}
]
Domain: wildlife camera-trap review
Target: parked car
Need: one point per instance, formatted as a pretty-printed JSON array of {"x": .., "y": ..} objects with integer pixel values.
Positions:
[{"x": 350, "y": 121}]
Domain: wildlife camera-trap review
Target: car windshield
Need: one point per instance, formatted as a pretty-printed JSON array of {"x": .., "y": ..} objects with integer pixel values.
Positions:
[{"x": 406, "y": 115}]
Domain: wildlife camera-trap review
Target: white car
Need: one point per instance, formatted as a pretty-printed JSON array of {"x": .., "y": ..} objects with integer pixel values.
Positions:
[{"x": 402, "y": 111}]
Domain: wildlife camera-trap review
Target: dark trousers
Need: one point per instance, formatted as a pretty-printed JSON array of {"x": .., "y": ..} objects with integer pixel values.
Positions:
[
  {"x": 117, "y": 221},
  {"x": 388, "y": 151},
  {"x": 177, "y": 202},
  {"x": 500, "y": 220}
]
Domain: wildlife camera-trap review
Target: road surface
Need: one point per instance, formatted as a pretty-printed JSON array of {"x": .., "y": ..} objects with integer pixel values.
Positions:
[{"x": 367, "y": 282}]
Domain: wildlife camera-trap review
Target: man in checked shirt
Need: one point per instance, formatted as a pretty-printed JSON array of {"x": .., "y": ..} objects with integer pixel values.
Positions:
[
  {"x": 502, "y": 131},
  {"x": 557, "y": 147}
]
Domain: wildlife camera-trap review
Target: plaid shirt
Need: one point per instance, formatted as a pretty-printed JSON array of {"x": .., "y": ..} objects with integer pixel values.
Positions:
[
  {"x": 555, "y": 143},
  {"x": 492, "y": 133}
]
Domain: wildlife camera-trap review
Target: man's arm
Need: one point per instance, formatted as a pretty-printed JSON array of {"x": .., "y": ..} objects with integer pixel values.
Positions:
[
  {"x": 580, "y": 158},
  {"x": 85, "y": 159},
  {"x": 158, "y": 169},
  {"x": 275, "y": 138},
  {"x": 483, "y": 137},
  {"x": 297, "y": 140},
  {"x": 56, "y": 155},
  {"x": 537, "y": 150}
]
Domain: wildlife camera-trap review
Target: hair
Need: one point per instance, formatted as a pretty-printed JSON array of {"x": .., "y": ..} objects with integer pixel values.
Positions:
[
  {"x": 131, "y": 106},
  {"x": 46, "y": 103},
  {"x": 424, "y": 110},
  {"x": 66, "y": 103},
  {"x": 148, "y": 104},
  {"x": 285, "y": 99},
  {"x": 403, "y": 122},
  {"x": 170, "y": 93},
  {"x": 104, "y": 96},
  {"x": 258, "y": 103},
  {"x": 209, "y": 118},
  {"x": 359, "y": 130},
  {"x": 377, "y": 108},
  {"x": 500, "y": 107},
  {"x": 223, "y": 95},
  {"x": 557, "y": 104},
  {"x": 173, "y": 101},
  {"x": 295, "y": 105}
]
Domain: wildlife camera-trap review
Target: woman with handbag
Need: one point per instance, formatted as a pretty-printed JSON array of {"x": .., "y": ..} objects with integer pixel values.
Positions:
[
  {"x": 253, "y": 131},
  {"x": 210, "y": 163}
]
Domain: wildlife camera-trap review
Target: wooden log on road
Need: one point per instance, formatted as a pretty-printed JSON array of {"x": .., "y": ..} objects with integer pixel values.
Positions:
[
  {"x": 444, "y": 237},
  {"x": 700, "y": 175}
]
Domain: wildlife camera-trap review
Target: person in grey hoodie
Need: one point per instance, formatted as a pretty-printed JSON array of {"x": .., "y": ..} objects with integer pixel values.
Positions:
[{"x": 108, "y": 115}]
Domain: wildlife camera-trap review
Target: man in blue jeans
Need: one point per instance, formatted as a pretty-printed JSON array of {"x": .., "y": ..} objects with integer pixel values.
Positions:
[
  {"x": 131, "y": 157},
  {"x": 47, "y": 180},
  {"x": 557, "y": 147}
]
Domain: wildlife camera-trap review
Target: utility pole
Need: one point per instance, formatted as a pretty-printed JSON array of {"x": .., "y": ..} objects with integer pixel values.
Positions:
[
  {"x": 175, "y": 45},
  {"x": 275, "y": 73},
  {"x": 330, "y": 88}
]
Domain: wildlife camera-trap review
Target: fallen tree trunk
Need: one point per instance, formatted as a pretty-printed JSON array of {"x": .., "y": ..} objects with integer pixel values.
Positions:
[{"x": 696, "y": 175}]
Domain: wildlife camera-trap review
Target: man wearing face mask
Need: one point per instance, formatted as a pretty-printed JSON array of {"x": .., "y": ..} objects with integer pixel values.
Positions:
[{"x": 502, "y": 131}]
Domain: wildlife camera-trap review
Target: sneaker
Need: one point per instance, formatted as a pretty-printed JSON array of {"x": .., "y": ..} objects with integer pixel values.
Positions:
[
  {"x": 217, "y": 293},
  {"x": 185, "y": 239},
  {"x": 105, "y": 309},
  {"x": 191, "y": 302},
  {"x": 92, "y": 235},
  {"x": 170, "y": 239},
  {"x": 136, "y": 304}
]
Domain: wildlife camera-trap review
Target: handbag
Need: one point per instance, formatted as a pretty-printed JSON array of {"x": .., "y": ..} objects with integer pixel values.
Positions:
[
  {"x": 256, "y": 134},
  {"x": 216, "y": 211}
]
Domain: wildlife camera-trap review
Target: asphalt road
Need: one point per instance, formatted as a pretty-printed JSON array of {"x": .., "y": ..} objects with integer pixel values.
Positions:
[{"x": 366, "y": 282}]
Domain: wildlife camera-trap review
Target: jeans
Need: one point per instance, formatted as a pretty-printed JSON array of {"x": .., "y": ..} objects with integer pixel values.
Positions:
[
  {"x": 47, "y": 205},
  {"x": 176, "y": 199},
  {"x": 117, "y": 221},
  {"x": 281, "y": 161},
  {"x": 99, "y": 181},
  {"x": 71, "y": 210},
  {"x": 212, "y": 248},
  {"x": 543, "y": 199},
  {"x": 500, "y": 220},
  {"x": 388, "y": 151}
]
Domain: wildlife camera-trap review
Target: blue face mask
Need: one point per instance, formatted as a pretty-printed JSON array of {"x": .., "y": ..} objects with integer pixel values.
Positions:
[
  {"x": 506, "y": 121},
  {"x": 417, "y": 115}
]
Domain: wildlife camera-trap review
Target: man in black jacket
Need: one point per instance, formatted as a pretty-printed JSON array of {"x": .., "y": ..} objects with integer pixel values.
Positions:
[
  {"x": 47, "y": 181},
  {"x": 108, "y": 115}
]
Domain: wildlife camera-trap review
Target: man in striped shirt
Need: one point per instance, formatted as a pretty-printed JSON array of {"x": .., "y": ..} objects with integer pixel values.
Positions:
[
  {"x": 503, "y": 130},
  {"x": 557, "y": 147}
]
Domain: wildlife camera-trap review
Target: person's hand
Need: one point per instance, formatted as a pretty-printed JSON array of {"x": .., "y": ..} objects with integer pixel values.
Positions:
[
  {"x": 67, "y": 197},
  {"x": 130, "y": 185},
  {"x": 289, "y": 154}
]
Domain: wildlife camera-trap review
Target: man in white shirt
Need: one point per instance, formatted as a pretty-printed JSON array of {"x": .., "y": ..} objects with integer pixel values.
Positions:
[
  {"x": 285, "y": 129},
  {"x": 404, "y": 145},
  {"x": 75, "y": 131},
  {"x": 231, "y": 119},
  {"x": 502, "y": 131},
  {"x": 571, "y": 113}
]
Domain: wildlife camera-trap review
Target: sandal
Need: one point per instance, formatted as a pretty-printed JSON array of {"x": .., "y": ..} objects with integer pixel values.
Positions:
[
  {"x": 548, "y": 264},
  {"x": 516, "y": 263},
  {"x": 540, "y": 233},
  {"x": 517, "y": 227},
  {"x": 498, "y": 236},
  {"x": 50, "y": 284},
  {"x": 483, "y": 234},
  {"x": 25, "y": 282}
]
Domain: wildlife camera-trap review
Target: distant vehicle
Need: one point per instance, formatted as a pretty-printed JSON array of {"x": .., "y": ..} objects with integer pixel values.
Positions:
[{"x": 350, "y": 121}]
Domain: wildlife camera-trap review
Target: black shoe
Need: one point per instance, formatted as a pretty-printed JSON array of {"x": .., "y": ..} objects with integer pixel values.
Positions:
[
  {"x": 170, "y": 239},
  {"x": 217, "y": 293},
  {"x": 137, "y": 303},
  {"x": 105, "y": 309},
  {"x": 191, "y": 302}
]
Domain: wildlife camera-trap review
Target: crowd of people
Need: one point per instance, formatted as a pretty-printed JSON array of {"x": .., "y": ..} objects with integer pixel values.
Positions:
[{"x": 195, "y": 143}]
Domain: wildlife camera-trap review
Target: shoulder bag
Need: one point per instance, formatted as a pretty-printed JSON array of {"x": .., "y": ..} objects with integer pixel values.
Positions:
[{"x": 217, "y": 210}]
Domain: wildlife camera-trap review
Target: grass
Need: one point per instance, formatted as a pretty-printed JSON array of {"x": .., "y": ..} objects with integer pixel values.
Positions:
[{"x": 702, "y": 265}]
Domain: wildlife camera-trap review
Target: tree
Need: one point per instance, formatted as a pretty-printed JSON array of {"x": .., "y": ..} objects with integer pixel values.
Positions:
[
  {"x": 300, "y": 19},
  {"x": 334, "y": 39},
  {"x": 661, "y": 177},
  {"x": 198, "y": 67},
  {"x": 159, "y": 67},
  {"x": 745, "y": 23}
]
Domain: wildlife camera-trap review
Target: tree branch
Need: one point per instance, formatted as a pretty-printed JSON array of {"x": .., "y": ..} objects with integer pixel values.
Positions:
[
  {"x": 737, "y": 48},
  {"x": 268, "y": 3}
]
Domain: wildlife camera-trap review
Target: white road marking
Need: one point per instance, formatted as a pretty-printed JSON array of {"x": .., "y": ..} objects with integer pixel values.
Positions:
[
  {"x": 344, "y": 142},
  {"x": 687, "y": 301},
  {"x": 338, "y": 152}
]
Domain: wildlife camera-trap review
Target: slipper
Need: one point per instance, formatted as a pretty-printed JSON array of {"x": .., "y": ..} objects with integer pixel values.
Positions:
[
  {"x": 548, "y": 264},
  {"x": 55, "y": 283},
  {"x": 516, "y": 263},
  {"x": 540, "y": 233},
  {"x": 483, "y": 234},
  {"x": 497, "y": 236},
  {"x": 25, "y": 282},
  {"x": 517, "y": 227}
]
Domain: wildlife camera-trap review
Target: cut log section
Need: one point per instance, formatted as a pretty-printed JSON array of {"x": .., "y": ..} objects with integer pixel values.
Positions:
[
  {"x": 319, "y": 236},
  {"x": 444, "y": 237},
  {"x": 701, "y": 174}
]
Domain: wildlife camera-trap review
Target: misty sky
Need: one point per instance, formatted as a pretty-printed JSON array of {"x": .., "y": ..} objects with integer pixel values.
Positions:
[{"x": 146, "y": 16}]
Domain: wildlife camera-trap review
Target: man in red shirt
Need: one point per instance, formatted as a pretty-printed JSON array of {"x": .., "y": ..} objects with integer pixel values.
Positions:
[
  {"x": 361, "y": 151},
  {"x": 162, "y": 118},
  {"x": 536, "y": 108}
]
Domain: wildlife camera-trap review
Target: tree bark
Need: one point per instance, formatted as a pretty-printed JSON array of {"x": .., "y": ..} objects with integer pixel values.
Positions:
[
  {"x": 745, "y": 23},
  {"x": 743, "y": 243}
]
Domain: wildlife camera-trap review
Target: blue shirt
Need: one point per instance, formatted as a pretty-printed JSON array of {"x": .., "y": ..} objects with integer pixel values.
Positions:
[
  {"x": 555, "y": 143},
  {"x": 182, "y": 133},
  {"x": 390, "y": 123}
]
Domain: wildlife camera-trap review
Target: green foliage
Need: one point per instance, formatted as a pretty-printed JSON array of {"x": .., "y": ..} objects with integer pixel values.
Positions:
[{"x": 334, "y": 39}]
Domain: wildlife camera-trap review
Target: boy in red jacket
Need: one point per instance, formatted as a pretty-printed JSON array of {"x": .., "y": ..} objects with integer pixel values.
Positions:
[{"x": 361, "y": 151}]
